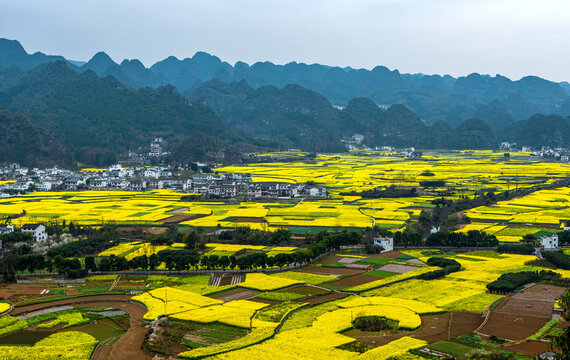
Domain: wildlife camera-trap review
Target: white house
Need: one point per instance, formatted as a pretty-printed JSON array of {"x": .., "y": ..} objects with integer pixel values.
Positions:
[
  {"x": 38, "y": 231},
  {"x": 434, "y": 229},
  {"x": 44, "y": 186},
  {"x": 6, "y": 229},
  {"x": 387, "y": 243},
  {"x": 549, "y": 242}
]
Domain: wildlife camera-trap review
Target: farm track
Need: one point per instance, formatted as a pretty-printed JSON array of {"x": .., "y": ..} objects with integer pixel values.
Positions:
[{"x": 129, "y": 345}]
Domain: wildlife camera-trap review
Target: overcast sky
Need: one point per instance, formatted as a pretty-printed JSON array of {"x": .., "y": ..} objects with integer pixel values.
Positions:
[{"x": 510, "y": 37}]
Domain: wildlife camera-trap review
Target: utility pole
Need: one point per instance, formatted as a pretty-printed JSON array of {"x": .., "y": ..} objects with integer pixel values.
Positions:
[{"x": 165, "y": 299}]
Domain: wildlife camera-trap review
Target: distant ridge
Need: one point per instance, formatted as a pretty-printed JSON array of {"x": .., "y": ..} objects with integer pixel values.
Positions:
[
  {"x": 98, "y": 110},
  {"x": 432, "y": 97}
]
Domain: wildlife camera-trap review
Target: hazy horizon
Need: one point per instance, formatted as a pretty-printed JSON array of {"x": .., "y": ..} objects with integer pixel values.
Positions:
[{"x": 507, "y": 37}]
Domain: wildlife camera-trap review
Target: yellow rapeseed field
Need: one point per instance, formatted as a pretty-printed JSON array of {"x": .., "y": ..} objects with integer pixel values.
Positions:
[{"x": 464, "y": 174}]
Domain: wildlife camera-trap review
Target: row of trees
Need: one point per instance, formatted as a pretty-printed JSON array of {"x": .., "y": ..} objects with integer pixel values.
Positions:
[
  {"x": 521, "y": 249},
  {"x": 509, "y": 282},
  {"x": 410, "y": 237},
  {"x": 189, "y": 257},
  {"x": 473, "y": 238},
  {"x": 447, "y": 266},
  {"x": 70, "y": 268},
  {"x": 558, "y": 258},
  {"x": 245, "y": 235},
  {"x": 59, "y": 259}
]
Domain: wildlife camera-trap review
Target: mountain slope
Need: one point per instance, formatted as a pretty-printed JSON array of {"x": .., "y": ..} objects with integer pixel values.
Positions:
[
  {"x": 297, "y": 117},
  {"x": 292, "y": 117},
  {"x": 543, "y": 130},
  {"x": 13, "y": 54},
  {"x": 93, "y": 113},
  {"x": 28, "y": 144}
]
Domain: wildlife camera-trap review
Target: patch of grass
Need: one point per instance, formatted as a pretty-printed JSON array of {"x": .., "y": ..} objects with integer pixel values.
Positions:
[
  {"x": 374, "y": 261},
  {"x": 216, "y": 333},
  {"x": 380, "y": 273},
  {"x": 333, "y": 287},
  {"x": 451, "y": 348},
  {"x": 405, "y": 257},
  {"x": 55, "y": 298},
  {"x": 280, "y": 296},
  {"x": 277, "y": 312},
  {"x": 487, "y": 254},
  {"x": 192, "y": 344},
  {"x": 93, "y": 289},
  {"x": 103, "y": 329},
  {"x": 541, "y": 263},
  {"x": 307, "y": 290},
  {"x": 496, "y": 303},
  {"x": 335, "y": 265},
  {"x": 57, "y": 291},
  {"x": 327, "y": 258},
  {"x": 467, "y": 258}
]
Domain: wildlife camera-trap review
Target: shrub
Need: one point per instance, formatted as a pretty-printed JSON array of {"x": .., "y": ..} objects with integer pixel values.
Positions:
[
  {"x": 558, "y": 258},
  {"x": 442, "y": 262},
  {"x": 449, "y": 266},
  {"x": 516, "y": 249},
  {"x": 511, "y": 281},
  {"x": 374, "y": 323}
]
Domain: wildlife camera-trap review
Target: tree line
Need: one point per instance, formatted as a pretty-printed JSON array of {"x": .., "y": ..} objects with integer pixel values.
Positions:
[{"x": 59, "y": 259}]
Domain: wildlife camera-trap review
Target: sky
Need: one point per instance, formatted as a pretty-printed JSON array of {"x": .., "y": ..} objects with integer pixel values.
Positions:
[{"x": 514, "y": 38}]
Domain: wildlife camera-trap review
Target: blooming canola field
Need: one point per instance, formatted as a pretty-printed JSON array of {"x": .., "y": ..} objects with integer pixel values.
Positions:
[{"x": 464, "y": 173}]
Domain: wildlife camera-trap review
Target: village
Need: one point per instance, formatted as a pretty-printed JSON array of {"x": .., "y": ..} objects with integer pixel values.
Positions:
[{"x": 15, "y": 180}]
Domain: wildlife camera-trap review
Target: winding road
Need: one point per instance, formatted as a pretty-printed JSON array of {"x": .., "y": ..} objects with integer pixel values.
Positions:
[{"x": 129, "y": 345}]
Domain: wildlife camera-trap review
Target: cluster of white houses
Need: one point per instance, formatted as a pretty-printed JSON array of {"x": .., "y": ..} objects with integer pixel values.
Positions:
[
  {"x": 37, "y": 231},
  {"x": 230, "y": 185},
  {"x": 117, "y": 177},
  {"x": 546, "y": 152}
]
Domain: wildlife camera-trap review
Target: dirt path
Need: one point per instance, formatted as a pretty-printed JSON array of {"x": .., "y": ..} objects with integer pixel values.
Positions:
[{"x": 129, "y": 345}]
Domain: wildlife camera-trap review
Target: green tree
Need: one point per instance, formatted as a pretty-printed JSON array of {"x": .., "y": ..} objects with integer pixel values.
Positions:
[
  {"x": 530, "y": 239},
  {"x": 562, "y": 341},
  {"x": 90, "y": 263}
]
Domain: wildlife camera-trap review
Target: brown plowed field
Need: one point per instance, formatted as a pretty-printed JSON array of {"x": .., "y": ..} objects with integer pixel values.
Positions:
[
  {"x": 355, "y": 280},
  {"x": 177, "y": 219},
  {"x": 387, "y": 255},
  {"x": 522, "y": 315},
  {"x": 249, "y": 220},
  {"x": 528, "y": 348},
  {"x": 331, "y": 261},
  {"x": 263, "y": 301},
  {"x": 331, "y": 271},
  {"x": 314, "y": 300},
  {"x": 236, "y": 295},
  {"x": 434, "y": 328},
  {"x": 20, "y": 290}
]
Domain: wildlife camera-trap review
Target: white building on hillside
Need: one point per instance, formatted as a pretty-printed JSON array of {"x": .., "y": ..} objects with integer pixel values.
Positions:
[
  {"x": 38, "y": 231},
  {"x": 549, "y": 242},
  {"x": 387, "y": 243},
  {"x": 6, "y": 229}
]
